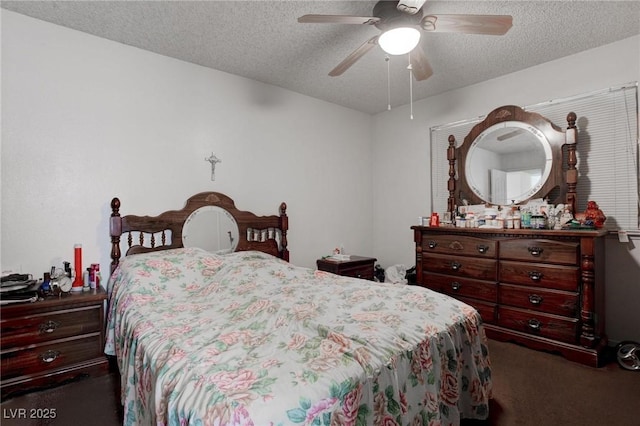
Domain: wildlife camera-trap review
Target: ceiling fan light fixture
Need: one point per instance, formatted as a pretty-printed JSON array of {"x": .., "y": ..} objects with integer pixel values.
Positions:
[{"x": 399, "y": 41}]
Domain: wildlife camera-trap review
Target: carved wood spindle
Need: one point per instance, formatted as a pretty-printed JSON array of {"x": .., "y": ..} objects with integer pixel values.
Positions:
[
  {"x": 417, "y": 238},
  {"x": 115, "y": 229},
  {"x": 284, "y": 225},
  {"x": 451, "y": 184},
  {"x": 587, "y": 307},
  {"x": 163, "y": 238},
  {"x": 153, "y": 240},
  {"x": 572, "y": 172},
  {"x": 141, "y": 238}
]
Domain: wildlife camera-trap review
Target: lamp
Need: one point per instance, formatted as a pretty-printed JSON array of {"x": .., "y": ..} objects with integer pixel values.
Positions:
[{"x": 400, "y": 40}]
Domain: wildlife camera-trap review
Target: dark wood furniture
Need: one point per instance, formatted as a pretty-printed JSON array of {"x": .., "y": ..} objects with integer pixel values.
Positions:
[
  {"x": 51, "y": 341},
  {"x": 538, "y": 287},
  {"x": 356, "y": 266},
  {"x": 561, "y": 176},
  {"x": 263, "y": 233}
]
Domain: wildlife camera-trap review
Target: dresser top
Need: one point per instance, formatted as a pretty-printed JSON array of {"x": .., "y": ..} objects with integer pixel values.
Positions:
[
  {"x": 53, "y": 303},
  {"x": 538, "y": 233}
]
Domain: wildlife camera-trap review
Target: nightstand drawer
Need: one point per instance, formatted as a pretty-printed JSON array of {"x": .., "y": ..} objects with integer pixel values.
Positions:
[
  {"x": 356, "y": 267},
  {"x": 365, "y": 272},
  {"x": 52, "y": 341},
  {"x": 50, "y": 326},
  {"x": 50, "y": 356}
]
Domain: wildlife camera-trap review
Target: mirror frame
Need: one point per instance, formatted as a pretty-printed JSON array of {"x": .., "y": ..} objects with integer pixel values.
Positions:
[{"x": 458, "y": 185}]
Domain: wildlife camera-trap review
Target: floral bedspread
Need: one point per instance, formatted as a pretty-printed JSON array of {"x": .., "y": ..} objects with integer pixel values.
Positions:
[{"x": 248, "y": 339}]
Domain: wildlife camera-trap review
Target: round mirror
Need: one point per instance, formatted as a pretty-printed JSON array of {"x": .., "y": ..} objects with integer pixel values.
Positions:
[
  {"x": 508, "y": 162},
  {"x": 211, "y": 228}
]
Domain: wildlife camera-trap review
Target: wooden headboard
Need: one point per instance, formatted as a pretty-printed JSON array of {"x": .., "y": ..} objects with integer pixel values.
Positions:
[{"x": 152, "y": 233}]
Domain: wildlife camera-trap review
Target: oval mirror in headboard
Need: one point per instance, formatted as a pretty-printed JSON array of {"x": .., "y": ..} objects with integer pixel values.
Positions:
[{"x": 211, "y": 228}]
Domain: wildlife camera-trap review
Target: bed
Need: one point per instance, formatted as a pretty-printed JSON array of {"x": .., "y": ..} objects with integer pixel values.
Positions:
[{"x": 243, "y": 337}]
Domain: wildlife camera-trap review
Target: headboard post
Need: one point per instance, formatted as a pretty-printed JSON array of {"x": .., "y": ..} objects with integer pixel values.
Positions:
[
  {"x": 284, "y": 225},
  {"x": 451, "y": 184},
  {"x": 571, "y": 139},
  {"x": 115, "y": 229}
]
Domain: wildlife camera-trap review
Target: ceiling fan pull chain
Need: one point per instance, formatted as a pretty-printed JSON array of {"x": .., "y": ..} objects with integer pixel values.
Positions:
[
  {"x": 386, "y": 58},
  {"x": 410, "y": 68}
]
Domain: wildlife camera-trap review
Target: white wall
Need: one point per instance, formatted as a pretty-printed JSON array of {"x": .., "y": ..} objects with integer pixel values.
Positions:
[
  {"x": 85, "y": 119},
  {"x": 401, "y": 152}
]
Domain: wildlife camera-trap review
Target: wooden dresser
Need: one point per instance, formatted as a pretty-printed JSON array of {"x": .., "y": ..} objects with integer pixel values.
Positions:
[
  {"x": 540, "y": 288},
  {"x": 51, "y": 341}
]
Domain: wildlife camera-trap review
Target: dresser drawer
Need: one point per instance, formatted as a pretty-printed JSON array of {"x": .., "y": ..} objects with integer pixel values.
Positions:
[
  {"x": 48, "y": 326},
  {"x": 486, "y": 310},
  {"x": 540, "y": 275},
  {"x": 550, "y": 301},
  {"x": 463, "y": 287},
  {"x": 539, "y": 250},
  {"x": 460, "y": 245},
  {"x": 458, "y": 266},
  {"x": 49, "y": 356},
  {"x": 536, "y": 323}
]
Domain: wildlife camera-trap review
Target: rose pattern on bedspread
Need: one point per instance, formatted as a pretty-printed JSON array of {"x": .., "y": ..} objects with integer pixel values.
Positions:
[{"x": 248, "y": 339}]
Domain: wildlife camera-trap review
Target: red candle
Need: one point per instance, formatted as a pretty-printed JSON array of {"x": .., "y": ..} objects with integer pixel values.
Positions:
[{"x": 78, "y": 282}]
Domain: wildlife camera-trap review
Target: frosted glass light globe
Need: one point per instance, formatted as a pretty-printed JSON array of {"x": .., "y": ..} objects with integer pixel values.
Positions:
[{"x": 399, "y": 41}]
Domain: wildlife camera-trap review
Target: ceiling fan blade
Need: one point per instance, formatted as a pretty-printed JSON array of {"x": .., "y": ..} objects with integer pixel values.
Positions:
[
  {"x": 338, "y": 19},
  {"x": 467, "y": 24},
  {"x": 354, "y": 56},
  {"x": 420, "y": 67}
]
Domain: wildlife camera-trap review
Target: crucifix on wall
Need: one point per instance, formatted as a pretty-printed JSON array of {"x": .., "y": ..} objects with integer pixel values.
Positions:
[{"x": 213, "y": 160}]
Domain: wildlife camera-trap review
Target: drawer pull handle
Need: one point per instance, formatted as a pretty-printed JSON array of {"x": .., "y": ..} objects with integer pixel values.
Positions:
[
  {"x": 535, "y": 251},
  {"x": 455, "y": 266},
  {"x": 534, "y": 324},
  {"x": 535, "y": 299},
  {"x": 455, "y": 286},
  {"x": 49, "y": 327},
  {"x": 535, "y": 275},
  {"x": 49, "y": 356},
  {"x": 432, "y": 244},
  {"x": 482, "y": 249}
]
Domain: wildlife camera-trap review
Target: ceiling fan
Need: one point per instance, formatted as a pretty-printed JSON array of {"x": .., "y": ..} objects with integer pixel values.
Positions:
[{"x": 404, "y": 20}]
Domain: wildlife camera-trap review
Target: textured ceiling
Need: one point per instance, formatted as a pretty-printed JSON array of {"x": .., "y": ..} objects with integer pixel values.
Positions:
[{"x": 263, "y": 41}]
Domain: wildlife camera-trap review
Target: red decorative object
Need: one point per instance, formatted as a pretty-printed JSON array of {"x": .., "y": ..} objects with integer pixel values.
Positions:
[
  {"x": 78, "y": 282},
  {"x": 435, "y": 220},
  {"x": 594, "y": 213}
]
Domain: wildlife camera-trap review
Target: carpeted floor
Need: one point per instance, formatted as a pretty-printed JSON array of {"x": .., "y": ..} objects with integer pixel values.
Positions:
[{"x": 530, "y": 388}]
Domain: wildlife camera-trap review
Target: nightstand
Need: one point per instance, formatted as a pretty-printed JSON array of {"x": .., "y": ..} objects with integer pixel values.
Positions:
[
  {"x": 356, "y": 266},
  {"x": 52, "y": 341}
]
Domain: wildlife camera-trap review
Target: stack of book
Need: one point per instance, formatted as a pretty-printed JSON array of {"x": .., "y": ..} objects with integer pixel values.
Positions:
[{"x": 18, "y": 288}]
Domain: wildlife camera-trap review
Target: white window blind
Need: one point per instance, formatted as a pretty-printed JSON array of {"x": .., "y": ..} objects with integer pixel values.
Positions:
[{"x": 607, "y": 151}]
